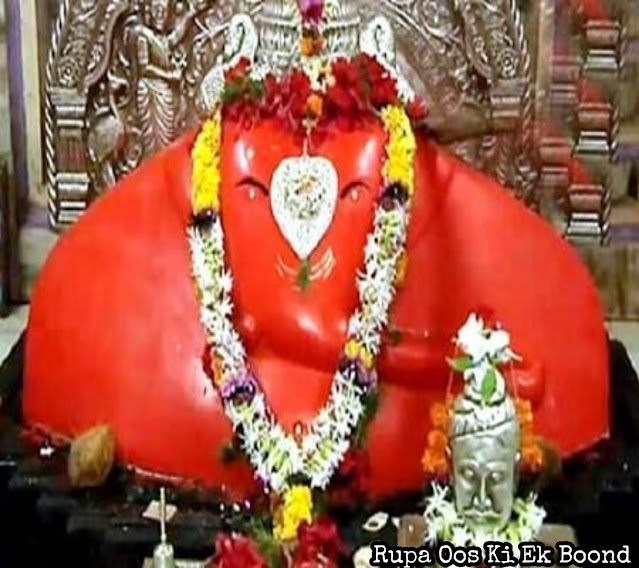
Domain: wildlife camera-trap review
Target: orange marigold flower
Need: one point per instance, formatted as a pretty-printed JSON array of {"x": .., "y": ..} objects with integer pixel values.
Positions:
[
  {"x": 435, "y": 463},
  {"x": 439, "y": 416},
  {"x": 429, "y": 459},
  {"x": 532, "y": 458},
  {"x": 315, "y": 105},
  {"x": 438, "y": 441},
  {"x": 311, "y": 45},
  {"x": 524, "y": 412},
  {"x": 527, "y": 438},
  {"x": 306, "y": 46},
  {"x": 400, "y": 275},
  {"x": 216, "y": 367},
  {"x": 441, "y": 467}
]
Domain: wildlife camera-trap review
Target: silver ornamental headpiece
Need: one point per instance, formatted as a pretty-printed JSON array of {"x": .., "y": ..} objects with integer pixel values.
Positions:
[
  {"x": 472, "y": 414},
  {"x": 279, "y": 25},
  {"x": 271, "y": 42}
]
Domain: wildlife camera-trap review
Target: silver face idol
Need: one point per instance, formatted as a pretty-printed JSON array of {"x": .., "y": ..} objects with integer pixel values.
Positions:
[{"x": 484, "y": 474}]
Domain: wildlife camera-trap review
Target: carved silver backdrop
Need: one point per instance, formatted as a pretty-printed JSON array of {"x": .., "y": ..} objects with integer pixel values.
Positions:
[{"x": 123, "y": 80}]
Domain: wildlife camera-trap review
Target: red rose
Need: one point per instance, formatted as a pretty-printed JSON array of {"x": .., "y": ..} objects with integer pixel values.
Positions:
[
  {"x": 319, "y": 545},
  {"x": 272, "y": 96},
  {"x": 236, "y": 551},
  {"x": 287, "y": 99}
]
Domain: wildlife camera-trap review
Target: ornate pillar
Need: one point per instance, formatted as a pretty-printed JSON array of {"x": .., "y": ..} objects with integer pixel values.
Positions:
[{"x": 589, "y": 196}]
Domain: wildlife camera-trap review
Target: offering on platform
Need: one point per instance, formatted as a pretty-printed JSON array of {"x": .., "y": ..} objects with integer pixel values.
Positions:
[{"x": 488, "y": 436}]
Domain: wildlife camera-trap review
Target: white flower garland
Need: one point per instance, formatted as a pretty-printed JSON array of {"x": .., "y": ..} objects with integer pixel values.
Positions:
[
  {"x": 445, "y": 524},
  {"x": 276, "y": 455}
]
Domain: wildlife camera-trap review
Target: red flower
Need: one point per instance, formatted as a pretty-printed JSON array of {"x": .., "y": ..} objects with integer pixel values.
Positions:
[
  {"x": 236, "y": 551},
  {"x": 319, "y": 545},
  {"x": 272, "y": 95},
  {"x": 381, "y": 87},
  {"x": 238, "y": 72},
  {"x": 416, "y": 110},
  {"x": 312, "y": 10},
  {"x": 351, "y": 481},
  {"x": 346, "y": 100},
  {"x": 287, "y": 99}
]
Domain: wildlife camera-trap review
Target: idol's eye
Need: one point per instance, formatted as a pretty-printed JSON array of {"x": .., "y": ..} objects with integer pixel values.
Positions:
[
  {"x": 468, "y": 473},
  {"x": 497, "y": 477},
  {"x": 253, "y": 184},
  {"x": 354, "y": 190}
]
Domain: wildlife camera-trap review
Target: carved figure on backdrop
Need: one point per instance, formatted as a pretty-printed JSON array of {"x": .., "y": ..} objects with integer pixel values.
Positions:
[
  {"x": 294, "y": 190},
  {"x": 140, "y": 106},
  {"x": 158, "y": 66},
  {"x": 451, "y": 53}
]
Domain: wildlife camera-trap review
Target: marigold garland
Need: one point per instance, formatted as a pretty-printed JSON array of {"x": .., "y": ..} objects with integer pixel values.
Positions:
[
  {"x": 206, "y": 166},
  {"x": 436, "y": 461},
  {"x": 401, "y": 147}
]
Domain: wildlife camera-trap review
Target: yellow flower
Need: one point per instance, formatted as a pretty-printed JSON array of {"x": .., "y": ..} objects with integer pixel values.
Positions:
[
  {"x": 206, "y": 166},
  {"x": 367, "y": 359},
  {"x": 296, "y": 509},
  {"x": 353, "y": 347},
  {"x": 355, "y": 350},
  {"x": 400, "y": 148}
]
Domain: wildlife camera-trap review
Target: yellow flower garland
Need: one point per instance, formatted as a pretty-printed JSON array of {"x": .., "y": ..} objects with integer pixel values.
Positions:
[
  {"x": 206, "y": 166},
  {"x": 400, "y": 149}
]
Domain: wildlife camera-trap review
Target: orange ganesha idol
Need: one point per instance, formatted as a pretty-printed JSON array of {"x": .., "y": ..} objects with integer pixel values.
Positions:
[{"x": 301, "y": 259}]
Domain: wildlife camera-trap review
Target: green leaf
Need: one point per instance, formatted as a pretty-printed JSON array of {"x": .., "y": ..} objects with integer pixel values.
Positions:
[
  {"x": 460, "y": 364},
  {"x": 489, "y": 385},
  {"x": 304, "y": 275},
  {"x": 267, "y": 545},
  {"x": 256, "y": 89}
]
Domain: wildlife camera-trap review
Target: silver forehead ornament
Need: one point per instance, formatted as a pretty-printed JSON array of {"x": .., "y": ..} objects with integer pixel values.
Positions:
[{"x": 303, "y": 197}]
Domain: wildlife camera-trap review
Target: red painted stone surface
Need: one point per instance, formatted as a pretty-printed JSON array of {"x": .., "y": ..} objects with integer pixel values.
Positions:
[{"x": 114, "y": 334}]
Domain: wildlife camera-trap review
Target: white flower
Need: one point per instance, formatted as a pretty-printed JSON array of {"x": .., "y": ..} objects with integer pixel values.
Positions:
[
  {"x": 460, "y": 536},
  {"x": 443, "y": 522},
  {"x": 471, "y": 338},
  {"x": 497, "y": 341}
]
